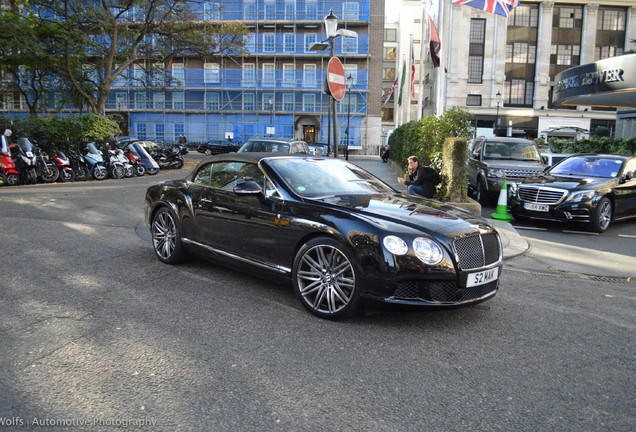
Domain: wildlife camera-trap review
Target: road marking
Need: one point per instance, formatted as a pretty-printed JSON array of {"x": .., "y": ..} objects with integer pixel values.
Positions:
[
  {"x": 531, "y": 228},
  {"x": 627, "y": 235},
  {"x": 579, "y": 232}
]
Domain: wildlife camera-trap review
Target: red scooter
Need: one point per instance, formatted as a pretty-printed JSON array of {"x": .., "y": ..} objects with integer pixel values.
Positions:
[
  {"x": 9, "y": 175},
  {"x": 135, "y": 160},
  {"x": 64, "y": 166}
]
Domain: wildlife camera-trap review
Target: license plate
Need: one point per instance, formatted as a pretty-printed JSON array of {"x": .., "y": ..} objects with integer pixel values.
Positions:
[
  {"x": 536, "y": 207},
  {"x": 481, "y": 278}
]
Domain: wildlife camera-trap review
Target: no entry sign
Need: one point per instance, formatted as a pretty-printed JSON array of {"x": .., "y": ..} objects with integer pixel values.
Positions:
[{"x": 336, "y": 78}]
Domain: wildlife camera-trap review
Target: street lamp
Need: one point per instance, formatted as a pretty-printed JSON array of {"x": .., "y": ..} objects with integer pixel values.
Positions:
[
  {"x": 349, "y": 85},
  {"x": 494, "y": 129},
  {"x": 271, "y": 129}
]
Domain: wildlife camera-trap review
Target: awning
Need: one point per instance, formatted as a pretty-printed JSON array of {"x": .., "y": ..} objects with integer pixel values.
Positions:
[{"x": 608, "y": 83}]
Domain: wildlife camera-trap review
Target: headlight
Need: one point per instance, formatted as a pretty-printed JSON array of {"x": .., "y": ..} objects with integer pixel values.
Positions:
[
  {"x": 498, "y": 173},
  {"x": 395, "y": 245},
  {"x": 427, "y": 250},
  {"x": 581, "y": 196}
]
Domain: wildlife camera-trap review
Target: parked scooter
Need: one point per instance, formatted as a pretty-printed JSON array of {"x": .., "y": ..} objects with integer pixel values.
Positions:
[
  {"x": 96, "y": 161},
  {"x": 63, "y": 164},
  {"x": 46, "y": 169},
  {"x": 79, "y": 166},
  {"x": 135, "y": 160},
  {"x": 25, "y": 160},
  {"x": 152, "y": 167},
  {"x": 114, "y": 165},
  {"x": 9, "y": 175}
]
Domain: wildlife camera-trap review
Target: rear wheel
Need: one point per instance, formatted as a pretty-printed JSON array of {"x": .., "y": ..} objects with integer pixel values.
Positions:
[
  {"x": 140, "y": 169},
  {"x": 325, "y": 278},
  {"x": 208, "y": 152},
  {"x": 3, "y": 179},
  {"x": 602, "y": 216},
  {"x": 178, "y": 164},
  {"x": 13, "y": 179},
  {"x": 81, "y": 174},
  {"x": 49, "y": 174},
  {"x": 152, "y": 171},
  {"x": 166, "y": 236}
]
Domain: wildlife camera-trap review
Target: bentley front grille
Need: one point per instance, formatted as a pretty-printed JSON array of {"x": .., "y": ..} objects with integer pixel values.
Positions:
[
  {"x": 477, "y": 251},
  {"x": 541, "y": 195}
]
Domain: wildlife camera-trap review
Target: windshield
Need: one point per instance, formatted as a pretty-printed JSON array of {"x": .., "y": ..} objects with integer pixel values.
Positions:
[
  {"x": 511, "y": 151},
  {"x": 588, "y": 166},
  {"x": 315, "y": 178},
  {"x": 92, "y": 149},
  {"x": 265, "y": 146},
  {"x": 25, "y": 144}
]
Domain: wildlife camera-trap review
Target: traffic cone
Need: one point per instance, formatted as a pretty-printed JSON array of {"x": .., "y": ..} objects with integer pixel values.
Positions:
[{"x": 501, "y": 213}]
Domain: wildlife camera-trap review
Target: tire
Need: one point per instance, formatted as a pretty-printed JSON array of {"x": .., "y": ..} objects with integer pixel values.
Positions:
[
  {"x": 602, "y": 216},
  {"x": 208, "y": 152},
  {"x": 178, "y": 164},
  {"x": 81, "y": 174},
  {"x": 152, "y": 171},
  {"x": 129, "y": 171},
  {"x": 166, "y": 237},
  {"x": 99, "y": 173},
  {"x": 13, "y": 179},
  {"x": 117, "y": 172},
  {"x": 140, "y": 169},
  {"x": 480, "y": 195},
  {"x": 325, "y": 278},
  {"x": 50, "y": 176},
  {"x": 3, "y": 179},
  {"x": 67, "y": 176}
]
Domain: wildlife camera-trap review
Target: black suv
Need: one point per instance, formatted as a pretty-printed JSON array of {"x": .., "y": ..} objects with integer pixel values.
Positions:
[
  {"x": 275, "y": 145},
  {"x": 497, "y": 158},
  {"x": 214, "y": 147}
]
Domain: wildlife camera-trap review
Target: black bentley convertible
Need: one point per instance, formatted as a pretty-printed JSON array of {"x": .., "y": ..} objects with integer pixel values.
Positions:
[{"x": 337, "y": 232}]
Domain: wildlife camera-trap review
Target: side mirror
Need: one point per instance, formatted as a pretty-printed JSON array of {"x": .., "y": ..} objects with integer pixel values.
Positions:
[{"x": 248, "y": 188}]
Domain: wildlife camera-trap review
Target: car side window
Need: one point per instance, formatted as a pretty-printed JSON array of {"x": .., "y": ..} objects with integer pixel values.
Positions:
[
  {"x": 630, "y": 167},
  {"x": 477, "y": 148},
  {"x": 203, "y": 175},
  {"x": 226, "y": 175}
]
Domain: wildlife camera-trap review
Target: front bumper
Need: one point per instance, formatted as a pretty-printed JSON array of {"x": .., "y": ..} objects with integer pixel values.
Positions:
[{"x": 566, "y": 211}]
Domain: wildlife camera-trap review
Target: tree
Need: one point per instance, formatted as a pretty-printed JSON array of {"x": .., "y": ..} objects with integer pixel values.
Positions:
[{"x": 97, "y": 41}]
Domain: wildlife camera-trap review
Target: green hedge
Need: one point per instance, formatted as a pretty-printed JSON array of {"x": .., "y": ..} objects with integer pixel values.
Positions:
[{"x": 619, "y": 146}]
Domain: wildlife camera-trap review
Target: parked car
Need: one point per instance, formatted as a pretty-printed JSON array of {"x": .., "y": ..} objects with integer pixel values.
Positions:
[
  {"x": 554, "y": 158},
  {"x": 275, "y": 145},
  {"x": 588, "y": 189},
  {"x": 497, "y": 158},
  {"x": 318, "y": 149},
  {"x": 214, "y": 147},
  {"x": 338, "y": 233}
]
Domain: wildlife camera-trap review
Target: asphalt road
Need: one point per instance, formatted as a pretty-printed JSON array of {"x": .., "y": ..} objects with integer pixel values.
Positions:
[{"x": 97, "y": 334}]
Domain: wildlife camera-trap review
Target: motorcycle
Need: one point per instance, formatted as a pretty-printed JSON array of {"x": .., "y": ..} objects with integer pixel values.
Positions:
[
  {"x": 168, "y": 158},
  {"x": 95, "y": 160},
  {"x": 114, "y": 165},
  {"x": 135, "y": 160},
  {"x": 79, "y": 165},
  {"x": 9, "y": 175},
  {"x": 63, "y": 164},
  {"x": 25, "y": 160},
  {"x": 151, "y": 165}
]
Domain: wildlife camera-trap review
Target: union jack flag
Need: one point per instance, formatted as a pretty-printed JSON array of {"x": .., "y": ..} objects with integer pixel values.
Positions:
[
  {"x": 393, "y": 87},
  {"x": 499, "y": 7}
]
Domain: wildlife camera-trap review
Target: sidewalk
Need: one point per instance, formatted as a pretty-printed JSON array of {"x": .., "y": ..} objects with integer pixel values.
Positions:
[{"x": 513, "y": 244}]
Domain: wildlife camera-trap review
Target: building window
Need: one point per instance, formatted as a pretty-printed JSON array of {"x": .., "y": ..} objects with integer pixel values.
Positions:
[
  {"x": 610, "y": 32},
  {"x": 290, "y": 10},
  {"x": 249, "y": 74},
  {"x": 289, "y": 75},
  {"x": 288, "y": 102},
  {"x": 350, "y": 11},
  {"x": 265, "y": 102},
  {"x": 524, "y": 16},
  {"x": 250, "y": 43},
  {"x": 309, "y": 75},
  {"x": 178, "y": 100},
  {"x": 289, "y": 40},
  {"x": 269, "y": 75},
  {"x": 158, "y": 100},
  {"x": 211, "y": 11},
  {"x": 140, "y": 100},
  {"x": 389, "y": 53},
  {"x": 212, "y": 73},
  {"x": 178, "y": 72},
  {"x": 270, "y": 10},
  {"x": 390, "y": 35},
  {"x": 141, "y": 131},
  {"x": 249, "y": 102},
  {"x": 212, "y": 101},
  {"x": 521, "y": 52},
  {"x": 349, "y": 45},
  {"x": 309, "y": 102},
  {"x": 611, "y": 19},
  {"x": 249, "y": 10},
  {"x": 473, "y": 100},
  {"x": 388, "y": 73},
  {"x": 311, "y": 38},
  {"x": 269, "y": 42},
  {"x": 160, "y": 131},
  {"x": 178, "y": 130},
  {"x": 476, "y": 50},
  {"x": 311, "y": 10}
]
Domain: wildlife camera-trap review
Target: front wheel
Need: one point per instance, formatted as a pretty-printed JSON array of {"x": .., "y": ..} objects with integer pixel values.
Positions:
[
  {"x": 49, "y": 174},
  {"x": 166, "y": 237},
  {"x": 152, "y": 171},
  {"x": 325, "y": 278},
  {"x": 99, "y": 173},
  {"x": 67, "y": 175},
  {"x": 117, "y": 172},
  {"x": 602, "y": 216},
  {"x": 178, "y": 164},
  {"x": 481, "y": 196}
]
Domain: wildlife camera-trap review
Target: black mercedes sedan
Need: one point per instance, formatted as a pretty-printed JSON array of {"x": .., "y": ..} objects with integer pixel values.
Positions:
[
  {"x": 338, "y": 233},
  {"x": 214, "y": 147},
  {"x": 591, "y": 189}
]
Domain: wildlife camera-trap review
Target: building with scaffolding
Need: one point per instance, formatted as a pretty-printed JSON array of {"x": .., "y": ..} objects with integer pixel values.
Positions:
[{"x": 274, "y": 89}]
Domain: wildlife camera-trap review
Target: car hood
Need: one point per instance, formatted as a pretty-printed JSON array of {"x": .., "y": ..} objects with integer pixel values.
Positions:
[
  {"x": 421, "y": 214},
  {"x": 567, "y": 182}
]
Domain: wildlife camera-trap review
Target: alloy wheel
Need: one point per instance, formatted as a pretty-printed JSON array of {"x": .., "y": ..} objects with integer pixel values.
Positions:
[
  {"x": 605, "y": 215},
  {"x": 164, "y": 234},
  {"x": 325, "y": 279}
]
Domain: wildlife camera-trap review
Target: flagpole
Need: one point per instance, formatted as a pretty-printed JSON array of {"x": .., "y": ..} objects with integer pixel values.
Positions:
[
  {"x": 411, "y": 64},
  {"x": 441, "y": 76},
  {"x": 395, "y": 99},
  {"x": 423, "y": 44}
]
